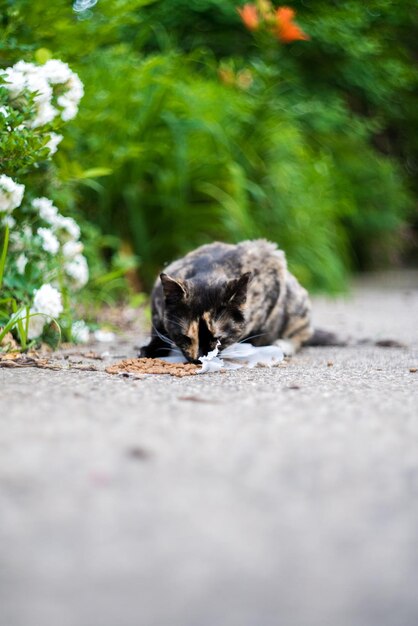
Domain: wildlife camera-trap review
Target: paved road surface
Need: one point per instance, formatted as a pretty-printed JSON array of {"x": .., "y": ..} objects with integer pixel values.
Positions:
[{"x": 283, "y": 497}]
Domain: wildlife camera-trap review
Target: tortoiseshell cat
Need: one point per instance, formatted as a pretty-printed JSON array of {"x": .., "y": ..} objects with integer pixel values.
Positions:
[{"x": 228, "y": 293}]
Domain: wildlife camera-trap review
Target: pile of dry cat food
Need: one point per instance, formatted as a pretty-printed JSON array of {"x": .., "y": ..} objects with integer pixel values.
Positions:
[
  {"x": 234, "y": 357},
  {"x": 153, "y": 366}
]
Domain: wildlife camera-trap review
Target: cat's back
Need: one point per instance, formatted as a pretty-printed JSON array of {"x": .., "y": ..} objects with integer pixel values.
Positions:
[{"x": 226, "y": 261}]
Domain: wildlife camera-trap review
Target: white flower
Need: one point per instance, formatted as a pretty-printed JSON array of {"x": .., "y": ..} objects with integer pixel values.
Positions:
[
  {"x": 47, "y": 300},
  {"x": 104, "y": 336},
  {"x": 70, "y": 109},
  {"x": 70, "y": 99},
  {"x": 69, "y": 225},
  {"x": 54, "y": 140},
  {"x": 80, "y": 332},
  {"x": 36, "y": 83},
  {"x": 40, "y": 80},
  {"x": 45, "y": 113},
  {"x": 14, "y": 81},
  {"x": 25, "y": 68},
  {"x": 46, "y": 304},
  {"x": 72, "y": 248},
  {"x": 47, "y": 211},
  {"x": 49, "y": 241},
  {"x": 9, "y": 221},
  {"x": 11, "y": 194},
  {"x": 27, "y": 76},
  {"x": 78, "y": 270},
  {"x": 36, "y": 324},
  {"x": 21, "y": 263},
  {"x": 56, "y": 71},
  {"x": 75, "y": 89}
]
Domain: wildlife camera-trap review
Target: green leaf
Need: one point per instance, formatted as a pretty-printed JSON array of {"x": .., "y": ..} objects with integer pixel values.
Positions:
[{"x": 95, "y": 172}]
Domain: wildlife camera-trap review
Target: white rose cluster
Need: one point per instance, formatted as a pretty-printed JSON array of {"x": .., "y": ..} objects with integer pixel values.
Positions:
[
  {"x": 46, "y": 305},
  {"x": 50, "y": 242},
  {"x": 11, "y": 194},
  {"x": 62, "y": 233},
  {"x": 54, "y": 140},
  {"x": 78, "y": 270},
  {"x": 47, "y": 300},
  {"x": 43, "y": 80},
  {"x": 47, "y": 211}
]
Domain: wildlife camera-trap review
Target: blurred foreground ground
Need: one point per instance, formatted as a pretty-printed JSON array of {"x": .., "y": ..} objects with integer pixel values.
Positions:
[{"x": 253, "y": 498}]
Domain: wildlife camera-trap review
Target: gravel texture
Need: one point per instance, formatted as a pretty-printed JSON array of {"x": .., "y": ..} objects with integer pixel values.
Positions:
[{"x": 265, "y": 497}]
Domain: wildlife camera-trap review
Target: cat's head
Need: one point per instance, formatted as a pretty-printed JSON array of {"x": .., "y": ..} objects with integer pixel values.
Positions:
[{"x": 198, "y": 316}]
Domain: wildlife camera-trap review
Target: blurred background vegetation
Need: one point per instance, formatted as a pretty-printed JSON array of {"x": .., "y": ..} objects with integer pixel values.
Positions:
[{"x": 193, "y": 129}]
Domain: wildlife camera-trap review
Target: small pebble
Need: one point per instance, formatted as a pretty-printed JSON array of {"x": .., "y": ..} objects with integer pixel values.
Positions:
[{"x": 138, "y": 453}]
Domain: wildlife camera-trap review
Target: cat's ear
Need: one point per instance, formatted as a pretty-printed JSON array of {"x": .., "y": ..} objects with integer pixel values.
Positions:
[
  {"x": 236, "y": 290},
  {"x": 174, "y": 290}
]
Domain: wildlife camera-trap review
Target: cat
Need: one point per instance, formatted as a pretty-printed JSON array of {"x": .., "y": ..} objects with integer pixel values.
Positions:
[{"x": 220, "y": 294}]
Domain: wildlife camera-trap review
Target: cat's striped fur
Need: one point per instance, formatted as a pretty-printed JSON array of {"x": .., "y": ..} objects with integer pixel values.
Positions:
[{"x": 228, "y": 293}]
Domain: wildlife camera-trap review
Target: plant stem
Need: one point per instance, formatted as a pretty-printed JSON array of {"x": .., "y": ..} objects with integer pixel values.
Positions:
[{"x": 3, "y": 254}]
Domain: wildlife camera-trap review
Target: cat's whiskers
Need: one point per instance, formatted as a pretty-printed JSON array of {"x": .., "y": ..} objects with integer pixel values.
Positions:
[
  {"x": 173, "y": 321},
  {"x": 246, "y": 339},
  {"x": 173, "y": 346},
  {"x": 164, "y": 338},
  {"x": 174, "y": 351}
]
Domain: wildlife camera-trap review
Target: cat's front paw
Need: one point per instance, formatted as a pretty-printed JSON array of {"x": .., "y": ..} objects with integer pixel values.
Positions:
[
  {"x": 144, "y": 352},
  {"x": 154, "y": 350},
  {"x": 287, "y": 346}
]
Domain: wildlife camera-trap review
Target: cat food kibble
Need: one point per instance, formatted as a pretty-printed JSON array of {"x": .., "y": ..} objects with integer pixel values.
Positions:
[{"x": 152, "y": 366}]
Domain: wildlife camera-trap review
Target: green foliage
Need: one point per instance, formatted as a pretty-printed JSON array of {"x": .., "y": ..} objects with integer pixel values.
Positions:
[
  {"x": 186, "y": 171},
  {"x": 193, "y": 129},
  {"x": 353, "y": 87},
  {"x": 20, "y": 147}
]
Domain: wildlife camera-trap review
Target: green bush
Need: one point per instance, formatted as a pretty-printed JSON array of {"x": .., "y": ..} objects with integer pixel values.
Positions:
[
  {"x": 353, "y": 87},
  {"x": 194, "y": 159},
  {"x": 206, "y": 131}
]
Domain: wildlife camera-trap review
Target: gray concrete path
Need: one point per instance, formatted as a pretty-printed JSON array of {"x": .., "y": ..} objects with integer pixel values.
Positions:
[{"x": 282, "y": 497}]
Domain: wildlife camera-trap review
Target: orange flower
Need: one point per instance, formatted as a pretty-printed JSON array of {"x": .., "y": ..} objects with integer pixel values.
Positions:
[
  {"x": 249, "y": 16},
  {"x": 286, "y": 30}
]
